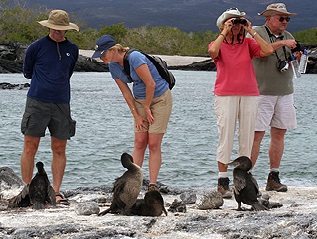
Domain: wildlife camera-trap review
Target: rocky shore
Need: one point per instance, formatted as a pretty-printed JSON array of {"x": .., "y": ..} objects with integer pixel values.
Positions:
[
  {"x": 293, "y": 217},
  {"x": 12, "y": 55}
]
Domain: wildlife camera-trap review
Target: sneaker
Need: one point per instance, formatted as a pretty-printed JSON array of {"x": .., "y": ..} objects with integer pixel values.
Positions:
[
  {"x": 223, "y": 188},
  {"x": 274, "y": 183},
  {"x": 152, "y": 187}
]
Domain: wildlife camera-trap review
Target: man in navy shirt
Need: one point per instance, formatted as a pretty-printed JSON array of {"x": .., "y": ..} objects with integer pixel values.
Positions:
[{"x": 49, "y": 63}]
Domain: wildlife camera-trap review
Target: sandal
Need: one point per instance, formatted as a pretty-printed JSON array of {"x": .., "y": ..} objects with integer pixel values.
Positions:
[
  {"x": 63, "y": 200},
  {"x": 152, "y": 187}
]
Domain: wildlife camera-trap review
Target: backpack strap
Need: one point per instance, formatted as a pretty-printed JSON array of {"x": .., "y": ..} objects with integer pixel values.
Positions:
[{"x": 126, "y": 64}]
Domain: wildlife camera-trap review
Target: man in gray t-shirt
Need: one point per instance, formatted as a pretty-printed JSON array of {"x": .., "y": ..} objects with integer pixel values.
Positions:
[{"x": 275, "y": 81}]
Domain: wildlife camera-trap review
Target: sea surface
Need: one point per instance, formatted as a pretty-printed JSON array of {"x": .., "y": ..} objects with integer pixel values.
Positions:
[{"x": 105, "y": 131}]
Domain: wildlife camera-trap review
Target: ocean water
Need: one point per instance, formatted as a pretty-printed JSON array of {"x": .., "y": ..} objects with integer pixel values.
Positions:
[{"x": 105, "y": 131}]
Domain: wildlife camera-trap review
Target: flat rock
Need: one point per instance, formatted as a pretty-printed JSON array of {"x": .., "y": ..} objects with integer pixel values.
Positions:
[{"x": 295, "y": 219}]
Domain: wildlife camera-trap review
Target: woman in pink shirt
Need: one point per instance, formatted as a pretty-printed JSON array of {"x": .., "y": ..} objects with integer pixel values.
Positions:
[{"x": 236, "y": 89}]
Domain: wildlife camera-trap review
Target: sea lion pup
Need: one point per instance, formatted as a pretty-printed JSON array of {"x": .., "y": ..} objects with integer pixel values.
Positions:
[
  {"x": 246, "y": 188},
  {"x": 126, "y": 188},
  {"x": 40, "y": 189},
  {"x": 151, "y": 205}
]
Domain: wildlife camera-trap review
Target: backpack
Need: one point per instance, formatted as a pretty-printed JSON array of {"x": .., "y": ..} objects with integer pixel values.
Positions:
[{"x": 160, "y": 65}]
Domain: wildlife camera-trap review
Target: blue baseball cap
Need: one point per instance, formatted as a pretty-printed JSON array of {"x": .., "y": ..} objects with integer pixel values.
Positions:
[{"x": 102, "y": 45}]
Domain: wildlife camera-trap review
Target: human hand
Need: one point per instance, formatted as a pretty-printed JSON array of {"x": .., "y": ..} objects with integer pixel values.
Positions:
[
  {"x": 227, "y": 25},
  {"x": 291, "y": 44},
  {"x": 140, "y": 122},
  {"x": 149, "y": 115},
  {"x": 248, "y": 25}
]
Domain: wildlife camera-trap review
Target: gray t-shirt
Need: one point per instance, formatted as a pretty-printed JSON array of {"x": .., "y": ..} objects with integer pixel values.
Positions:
[{"x": 270, "y": 80}]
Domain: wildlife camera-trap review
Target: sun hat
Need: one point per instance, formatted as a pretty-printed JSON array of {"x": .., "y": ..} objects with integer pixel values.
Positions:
[
  {"x": 229, "y": 13},
  {"x": 276, "y": 8},
  {"x": 59, "y": 20},
  {"x": 102, "y": 45}
]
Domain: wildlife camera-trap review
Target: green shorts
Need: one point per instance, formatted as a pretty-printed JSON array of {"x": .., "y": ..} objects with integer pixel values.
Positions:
[
  {"x": 161, "y": 108},
  {"x": 40, "y": 115}
]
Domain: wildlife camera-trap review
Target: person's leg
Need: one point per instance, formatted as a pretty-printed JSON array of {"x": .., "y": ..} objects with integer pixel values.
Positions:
[
  {"x": 155, "y": 159},
  {"x": 31, "y": 145},
  {"x": 258, "y": 136},
  {"x": 140, "y": 144},
  {"x": 284, "y": 118},
  {"x": 58, "y": 162},
  {"x": 265, "y": 114},
  {"x": 276, "y": 148},
  {"x": 226, "y": 112},
  {"x": 248, "y": 110}
]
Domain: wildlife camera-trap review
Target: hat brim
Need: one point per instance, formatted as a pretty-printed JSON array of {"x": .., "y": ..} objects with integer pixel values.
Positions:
[
  {"x": 270, "y": 12},
  {"x": 71, "y": 26},
  {"x": 226, "y": 15},
  {"x": 97, "y": 54}
]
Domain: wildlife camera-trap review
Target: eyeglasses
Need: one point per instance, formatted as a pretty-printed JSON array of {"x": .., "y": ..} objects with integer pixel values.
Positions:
[{"x": 281, "y": 19}]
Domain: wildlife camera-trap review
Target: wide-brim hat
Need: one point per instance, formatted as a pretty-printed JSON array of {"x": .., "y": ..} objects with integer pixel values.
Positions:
[
  {"x": 59, "y": 20},
  {"x": 102, "y": 45},
  {"x": 276, "y": 8},
  {"x": 229, "y": 13}
]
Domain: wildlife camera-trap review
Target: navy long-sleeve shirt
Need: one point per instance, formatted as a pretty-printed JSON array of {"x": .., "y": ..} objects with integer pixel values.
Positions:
[{"x": 50, "y": 65}]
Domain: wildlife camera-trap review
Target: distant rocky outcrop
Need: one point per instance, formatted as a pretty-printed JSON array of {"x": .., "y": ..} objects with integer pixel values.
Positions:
[{"x": 12, "y": 55}]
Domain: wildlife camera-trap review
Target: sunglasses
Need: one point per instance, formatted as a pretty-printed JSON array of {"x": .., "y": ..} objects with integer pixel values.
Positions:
[{"x": 281, "y": 19}]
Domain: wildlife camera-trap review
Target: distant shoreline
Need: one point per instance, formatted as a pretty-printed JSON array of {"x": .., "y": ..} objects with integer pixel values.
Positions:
[{"x": 170, "y": 60}]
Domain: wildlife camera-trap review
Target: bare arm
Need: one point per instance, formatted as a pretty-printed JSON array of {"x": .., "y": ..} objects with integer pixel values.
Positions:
[
  {"x": 213, "y": 50},
  {"x": 288, "y": 43},
  {"x": 266, "y": 48},
  {"x": 128, "y": 96},
  {"x": 145, "y": 74}
]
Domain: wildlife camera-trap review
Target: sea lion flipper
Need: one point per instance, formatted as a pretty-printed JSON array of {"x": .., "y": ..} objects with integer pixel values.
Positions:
[
  {"x": 104, "y": 212},
  {"x": 21, "y": 200}
]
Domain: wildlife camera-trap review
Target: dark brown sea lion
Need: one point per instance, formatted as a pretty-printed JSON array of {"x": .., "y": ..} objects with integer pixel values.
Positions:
[
  {"x": 126, "y": 188},
  {"x": 246, "y": 188},
  {"x": 151, "y": 205},
  {"x": 40, "y": 189},
  {"x": 38, "y": 193}
]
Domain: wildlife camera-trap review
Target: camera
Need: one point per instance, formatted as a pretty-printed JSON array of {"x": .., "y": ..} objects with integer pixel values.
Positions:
[
  {"x": 239, "y": 21},
  {"x": 282, "y": 66},
  {"x": 298, "y": 47}
]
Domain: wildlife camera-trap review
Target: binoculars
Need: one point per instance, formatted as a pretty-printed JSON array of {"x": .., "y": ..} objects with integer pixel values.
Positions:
[{"x": 239, "y": 21}]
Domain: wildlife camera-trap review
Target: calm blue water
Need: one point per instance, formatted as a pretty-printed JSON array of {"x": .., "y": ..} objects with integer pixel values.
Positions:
[{"x": 105, "y": 131}]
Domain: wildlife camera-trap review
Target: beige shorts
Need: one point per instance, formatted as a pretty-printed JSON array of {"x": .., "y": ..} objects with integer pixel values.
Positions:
[
  {"x": 161, "y": 108},
  {"x": 276, "y": 111}
]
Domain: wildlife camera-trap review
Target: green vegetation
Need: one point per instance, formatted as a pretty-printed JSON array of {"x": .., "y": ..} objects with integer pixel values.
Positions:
[{"x": 20, "y": 25}]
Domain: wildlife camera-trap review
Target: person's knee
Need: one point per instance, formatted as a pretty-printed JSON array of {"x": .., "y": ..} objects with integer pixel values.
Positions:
[
  {"x": 154, "y": 147},
  {"x": 140, "y": 143},
  {"x": 258, "y": 136},
  {"x": 278, "y": 134}
]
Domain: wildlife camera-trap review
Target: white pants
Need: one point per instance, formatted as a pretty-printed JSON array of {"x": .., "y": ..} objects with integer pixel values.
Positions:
[{"x": 229, "y": 110}]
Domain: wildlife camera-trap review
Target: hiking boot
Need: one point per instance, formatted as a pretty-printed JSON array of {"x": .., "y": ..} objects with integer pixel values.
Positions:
[
  {"x": 223, "y": 187},
  {"x": 274, "y": 183},
  {"x": 152, "y": 187}
]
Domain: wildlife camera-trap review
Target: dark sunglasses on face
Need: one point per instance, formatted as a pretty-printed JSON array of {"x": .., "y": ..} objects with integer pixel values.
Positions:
[{"x": 281, "y": 19}]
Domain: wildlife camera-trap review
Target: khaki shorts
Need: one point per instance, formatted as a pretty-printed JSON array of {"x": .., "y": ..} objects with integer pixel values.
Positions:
[
  {"x": 276, "y": 111},
  {"x": 161, "y": 108},
  {"x": 40, "y": 115}
]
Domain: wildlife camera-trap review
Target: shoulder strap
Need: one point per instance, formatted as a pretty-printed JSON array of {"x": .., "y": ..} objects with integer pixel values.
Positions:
[
  {"x": 160, "y": 65},
  {"x": 126, "y": 64}
]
